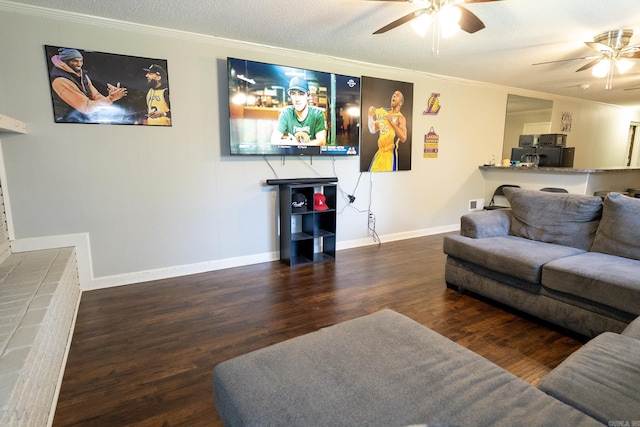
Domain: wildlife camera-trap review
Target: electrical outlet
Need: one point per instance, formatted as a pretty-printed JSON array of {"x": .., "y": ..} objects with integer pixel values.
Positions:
[{"x": 476, "y": 204}]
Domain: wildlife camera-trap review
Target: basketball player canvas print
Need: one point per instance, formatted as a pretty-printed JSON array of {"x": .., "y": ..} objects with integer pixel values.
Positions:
[
  {"x": 105, "y": 88},
  {"x": 386, "y": 117}
]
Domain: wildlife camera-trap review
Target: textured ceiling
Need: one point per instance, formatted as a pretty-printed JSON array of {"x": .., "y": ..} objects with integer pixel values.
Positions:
[{"x": 518, "y": 33}]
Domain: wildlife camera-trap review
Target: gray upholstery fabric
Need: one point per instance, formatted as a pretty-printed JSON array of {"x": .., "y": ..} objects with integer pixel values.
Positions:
[
  {"x": 481, "y": 270},
  {"x": 601, "y": 379},
  {"x": 564, "y": 312},
  {"x": 609, "y": 280},
  {"x": 588, "y": 293},
  {"x": 493, "y": 223},
  {"x": 561, "y": 218},
  {"x": 382, "y": 369},
  {"x": 514, "y": 256},
  {"x": 619, "y": 230},
  {"x": 633, "y": 330}
]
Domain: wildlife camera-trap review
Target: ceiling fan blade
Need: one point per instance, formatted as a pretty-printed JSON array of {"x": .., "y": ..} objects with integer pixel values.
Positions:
[
  {"x": 599, "y": 47},
  {"x": 589, "y": 65},
  {"x": 632, "y": 88},
  {"x": 569, "y": 59},
  {"x": 401, "y": 21},
  {"x": 631, "y": 51},
  {"x": 468, "y": 21}
]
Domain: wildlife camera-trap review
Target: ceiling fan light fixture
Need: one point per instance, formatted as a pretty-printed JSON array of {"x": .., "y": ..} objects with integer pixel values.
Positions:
[
  {"x": 449, "y": 17},
  {"x": 614, "y": 53},
  {"x": 421, "y": 24},
  {"x": 601, "y": 69},
  {"x": 624, "y": 65}
]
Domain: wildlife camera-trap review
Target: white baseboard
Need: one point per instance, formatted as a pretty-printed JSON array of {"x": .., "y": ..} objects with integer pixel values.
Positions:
[
  {"x": 88, "y": 282},
  {"x": 397, "y": 236},
  {"x": 176, "y": 271}
]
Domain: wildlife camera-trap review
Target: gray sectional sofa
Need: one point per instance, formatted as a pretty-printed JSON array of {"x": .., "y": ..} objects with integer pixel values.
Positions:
[
  {"x": 572, "y": 260},
  {"x": 569, "y": 259},
  {"x": 384, "y": 369}
]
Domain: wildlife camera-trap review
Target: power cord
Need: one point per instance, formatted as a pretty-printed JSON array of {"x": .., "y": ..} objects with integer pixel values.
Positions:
[
  {"x": 371, "y": 229},
  {"x": 351, "y": 198},
  {"x": 270, "y": 167}
]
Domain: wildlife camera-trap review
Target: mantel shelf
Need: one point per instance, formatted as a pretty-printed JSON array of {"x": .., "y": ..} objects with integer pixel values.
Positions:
[{"x": 11, "y": 125}]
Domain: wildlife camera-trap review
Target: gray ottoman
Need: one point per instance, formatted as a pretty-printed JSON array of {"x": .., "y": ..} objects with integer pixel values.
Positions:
[{"x": 382, "y": 369}]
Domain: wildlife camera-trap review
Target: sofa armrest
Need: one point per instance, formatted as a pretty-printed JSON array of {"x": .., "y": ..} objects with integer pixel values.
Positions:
[
  {"x": 633, "y": 329},
  {"x": 491, "y": 223}
]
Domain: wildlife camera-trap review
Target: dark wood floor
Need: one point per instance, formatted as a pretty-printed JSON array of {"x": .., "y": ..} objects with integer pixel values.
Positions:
[{"x": 143, "y": 354}]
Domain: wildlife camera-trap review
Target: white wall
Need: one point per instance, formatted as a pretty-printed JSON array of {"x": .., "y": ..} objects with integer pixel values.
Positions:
[
  {"x": 156, "y": 202},
  {"x": 599, "y": 132}
]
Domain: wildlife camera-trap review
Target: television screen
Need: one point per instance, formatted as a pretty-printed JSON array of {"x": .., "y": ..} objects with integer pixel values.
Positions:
[{"x": 280, "y": 110}]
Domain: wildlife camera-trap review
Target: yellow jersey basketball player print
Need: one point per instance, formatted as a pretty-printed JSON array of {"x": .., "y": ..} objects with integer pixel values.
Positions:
[
  {"x": 391, "y": 126},
  {"x": 158, "y": 109}
]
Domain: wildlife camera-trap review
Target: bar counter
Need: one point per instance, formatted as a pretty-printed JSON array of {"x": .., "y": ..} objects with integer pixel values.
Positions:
[{"x": 578, "y": 181}]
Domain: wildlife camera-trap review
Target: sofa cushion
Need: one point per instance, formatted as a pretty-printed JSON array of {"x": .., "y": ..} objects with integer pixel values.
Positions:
[
  {"x": 510, "y": 255},
  {"x": 482, "y": 224},
  {"x": 602, "y": 379},
  {"x": 633, "y": 329},
  {"x": 605, "y": 279},
  {"x": 561, "y": 218},
  {"x": 382, "y": 369},
  {"x": 619, "y": 230}
]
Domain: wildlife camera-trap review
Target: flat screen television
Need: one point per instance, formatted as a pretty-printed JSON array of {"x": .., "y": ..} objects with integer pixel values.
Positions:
[{"x": 280, "y": 110}]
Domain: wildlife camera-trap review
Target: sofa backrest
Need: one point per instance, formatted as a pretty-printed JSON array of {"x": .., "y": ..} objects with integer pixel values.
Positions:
[
  {"x": 560, "y": 218},
  {"x": 619, "y": 230}
]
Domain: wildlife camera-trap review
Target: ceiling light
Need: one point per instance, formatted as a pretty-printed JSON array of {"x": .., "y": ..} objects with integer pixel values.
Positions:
[
  {"x": 449, "y": 20},
  {"x": 623, "y": 65},
  {"x": 614, "y": 46},
  {"x": 601, "y": 69},
  {"x": 421, "y": 24},
  {"x": 446, "y": 21},
  {"x": 606, "y": 67}
]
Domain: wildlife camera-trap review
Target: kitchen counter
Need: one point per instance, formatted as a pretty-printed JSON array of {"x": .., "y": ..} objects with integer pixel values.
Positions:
[
  {"x": 552, "y": 169},
  {"x": 574, "y": 180}
]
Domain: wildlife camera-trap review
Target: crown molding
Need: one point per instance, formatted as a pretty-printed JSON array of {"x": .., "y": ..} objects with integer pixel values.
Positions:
[
  {"x": 83, "y": 19},
  {"x": 79, "y": 18}
]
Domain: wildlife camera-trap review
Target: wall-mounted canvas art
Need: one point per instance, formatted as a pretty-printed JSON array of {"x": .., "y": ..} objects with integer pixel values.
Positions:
[
  {"x": 105, "y": 88},
  {"x": 386, "y": 117}
]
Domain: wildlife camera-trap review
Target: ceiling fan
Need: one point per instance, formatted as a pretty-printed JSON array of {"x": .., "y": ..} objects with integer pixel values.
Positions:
[
  {"x": 468, "y": 21},
  {"x": 613, "y": 52}
]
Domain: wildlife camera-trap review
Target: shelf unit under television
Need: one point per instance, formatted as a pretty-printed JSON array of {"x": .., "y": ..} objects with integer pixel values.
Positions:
[{"x": 308, "y": 236}]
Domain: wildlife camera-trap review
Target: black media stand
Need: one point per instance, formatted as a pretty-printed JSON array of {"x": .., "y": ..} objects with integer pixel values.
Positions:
[{"x": 307, "y": 229}]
